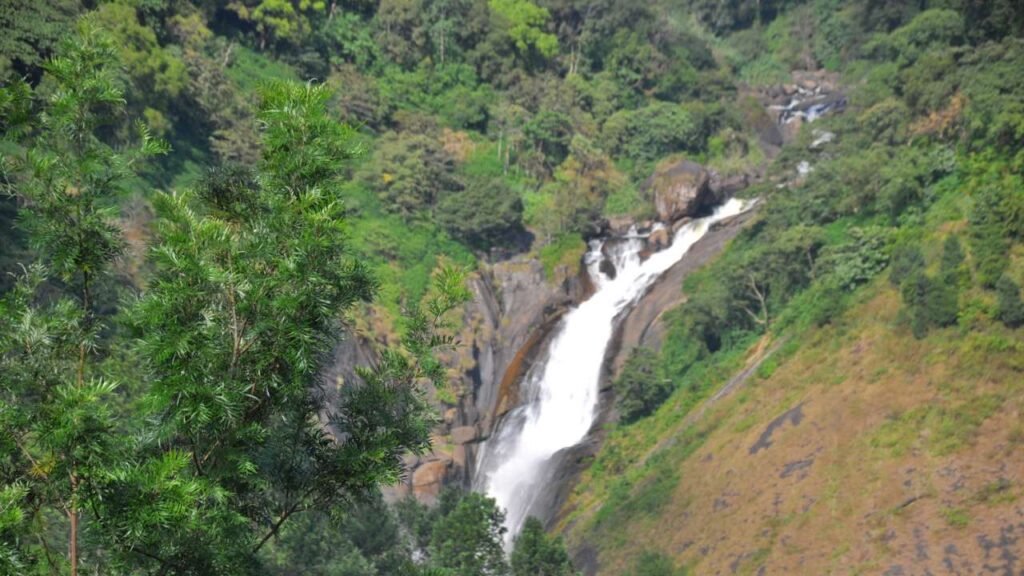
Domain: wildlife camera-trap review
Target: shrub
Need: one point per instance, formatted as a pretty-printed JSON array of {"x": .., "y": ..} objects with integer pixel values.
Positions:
[
  {"x": 483, "y": 214},
  {"x": 652, "y": 132},
  {"x": 906, "y": 261},
  {"x": 640, "y": 388},
  {"x": 655, "y": 564},
  {"x": 1010, "y": 310},
  {"x": 859, "y": 260}
]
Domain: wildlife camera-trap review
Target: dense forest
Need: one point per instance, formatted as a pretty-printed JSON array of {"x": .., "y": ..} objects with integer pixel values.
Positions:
[{"x": 200, "y": 199}]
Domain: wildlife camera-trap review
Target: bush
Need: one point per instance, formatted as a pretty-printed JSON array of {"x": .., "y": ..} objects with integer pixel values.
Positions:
[
  {"x": 483, "y": 214},
  {"x": 989, "y": 245},
  {"x": 1010, "y": 310},
  {"x": 655, "y": 564},
  {"x": 931, "y": 302},
  {"x": 653, "y": 132},
  {"x": 640, "y": 388},
  {"x": 906, "y": 261},
  {"x": 858, "y": 261},
  {"x": 537, "y": 554},
  {"x": 410, "y": 172}
]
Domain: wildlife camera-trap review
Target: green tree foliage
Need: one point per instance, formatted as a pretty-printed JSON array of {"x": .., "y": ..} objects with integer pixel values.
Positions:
[
  {"x": 929, "y": 31},
  {"x": 537, "y": 554},
  {"x": 411, "y": 172},
  {"x": 952, "y": 268},
  {"x": 219, "y": 102},
  {"x": 653, "y": 132},
  {"x": 990, "y": 236},
  {"x": 400, "y": 31},
  {"x": 484, "y": 214},
  {"x": 994, "y": 113},
  {"x": 640, "y": 389},
  {"x": 525, "y": 22},
  {"x": 32, "y": 33},
  {"x": 856, "y": 262},
  {"x": 250, "y": 275},
  {"x": 233, "y": 349},
  {"x": 906, "y": 261},
  {"x": 154, "y": 71},
  {"x": 932, "y": 302},
  {"x": 57, "y": 399},
  {"x": 1010, "y": 307},
  {"x": 366, "y": 540},
  {"x": 573, "y": 202},
  {"x": 550, "y": 133},
  {"x": 190, "y": 434},
  {"x": 467, "y": 539},
  {"x": 279, "y": 21}
]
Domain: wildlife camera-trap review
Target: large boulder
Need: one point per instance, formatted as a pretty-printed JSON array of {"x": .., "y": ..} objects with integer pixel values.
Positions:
[
  {"x": 429, "y": 478},
  {"x": 681, "y": 190}
]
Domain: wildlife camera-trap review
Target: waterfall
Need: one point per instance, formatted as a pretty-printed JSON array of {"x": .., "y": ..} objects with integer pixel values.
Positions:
[{"x": 560, "y": 392}]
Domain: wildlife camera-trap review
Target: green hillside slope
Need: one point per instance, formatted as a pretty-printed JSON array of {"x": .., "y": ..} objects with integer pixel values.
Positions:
[{"x": 851, "y": 448}]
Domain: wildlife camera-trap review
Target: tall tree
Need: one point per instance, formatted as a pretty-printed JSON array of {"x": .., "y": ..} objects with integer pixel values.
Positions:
[
  {"x": 467, "y": 540},
  {"x": 56, "y": 399},
  {"x": 537, "y": 554},
  {"x": 251, "y": 279}
]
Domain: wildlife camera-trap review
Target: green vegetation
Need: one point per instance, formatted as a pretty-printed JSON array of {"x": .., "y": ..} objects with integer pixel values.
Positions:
[
  {"x": 655, "y": 564},
  {"x": 638, "y": 390},
  {"x": 537, "y": 553},
  {"x": 956, "y": 517},
  {"x": 179, "y": 434},
  {"x": 198, "y": 198}
]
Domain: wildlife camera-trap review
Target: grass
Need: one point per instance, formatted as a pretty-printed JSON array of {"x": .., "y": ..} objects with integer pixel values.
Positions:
[
  {"x": 956, "y": 517},
  {"x": 567, "y": 250},
  {"x": 940, "y": 430},
  {"x": 250, "y": 69},
  {"x": 852, "y": 355},
  {"x": 635, "y": 475},
  {"x": 995, "y": 493}
]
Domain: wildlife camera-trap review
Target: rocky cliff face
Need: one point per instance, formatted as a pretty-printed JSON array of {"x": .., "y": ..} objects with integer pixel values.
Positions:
[{"x": 513, "y": 309}]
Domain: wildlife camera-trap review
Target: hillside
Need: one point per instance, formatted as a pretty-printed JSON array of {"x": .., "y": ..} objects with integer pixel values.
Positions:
[
  {"x": 281, "y": 282},
  {"x": 848, "y": 449}
]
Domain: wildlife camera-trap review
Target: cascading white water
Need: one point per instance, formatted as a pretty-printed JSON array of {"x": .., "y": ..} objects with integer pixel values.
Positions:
[{"x": 560, "y": 393}]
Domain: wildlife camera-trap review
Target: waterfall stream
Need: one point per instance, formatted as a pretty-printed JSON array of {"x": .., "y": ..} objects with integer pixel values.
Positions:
[{"x": 559, "y": 395}]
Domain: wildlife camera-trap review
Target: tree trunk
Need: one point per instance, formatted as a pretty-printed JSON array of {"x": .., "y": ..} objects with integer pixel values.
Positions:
[{"x": 73, "y": 517}]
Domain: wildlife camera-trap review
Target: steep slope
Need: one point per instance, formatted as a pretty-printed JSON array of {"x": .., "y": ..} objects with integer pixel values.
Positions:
[{"x": 852, "y": 448}]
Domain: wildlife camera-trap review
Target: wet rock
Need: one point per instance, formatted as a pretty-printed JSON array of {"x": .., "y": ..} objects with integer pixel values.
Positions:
[
  {"x": 791, "y": 128},
  {"x": 796, "y": 466},
  {"x": 619, "y": 225},
  {"x": 680, "y": 189},
  {"x": 659, "y": 240},
  {"x": 607, "y": 268},
  {"x": 459, "y": 456},
  {"x": 726, "y": 186},
  {"x": 822, "y": 137}
]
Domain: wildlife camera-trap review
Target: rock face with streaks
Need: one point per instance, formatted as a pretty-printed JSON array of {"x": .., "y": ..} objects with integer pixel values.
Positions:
[{"x": 514, "y": 306}]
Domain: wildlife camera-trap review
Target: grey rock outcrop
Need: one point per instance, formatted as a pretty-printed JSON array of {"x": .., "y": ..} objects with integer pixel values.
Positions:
[{"x": 680, "y": 190}]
